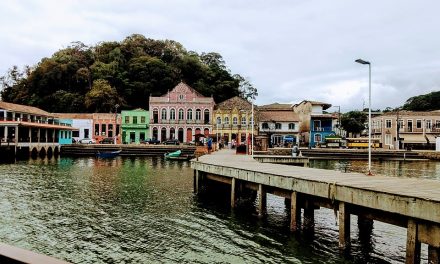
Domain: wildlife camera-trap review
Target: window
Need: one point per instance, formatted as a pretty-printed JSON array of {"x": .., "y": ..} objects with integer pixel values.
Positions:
[
  {"x": 251, "y": 121},
  {"x": 243, "y": 120},
  {"x": 428, "y": 124},
  {"x": 400, "y": 123},
  {"x": 96, "y": 129},
  {"x": 135, "y": 119},
  {"x": 181, "y": 97},
  {"x": 278, "y": 126},
  {"x": 226, "y": 120},
  {"x": 418, "y": 123},
  {"x": 180, "y": 114},
  {"x": 388, "y": 139},
  {"x": 318, "y": 137},
  {"x": 206, "y": 116},
  {"x": 142, "y": 119},
  {"x": 103, "y": 129},
  {"x": 198, "y": 114},
  {"x": 291, "y": 126},
  {"x": 235, "y": 120},
  {"x": 173, "y": 114},
  {"x": 410, "y": 125},
  {"x": 437, "y": 124},
  {"x": 388, "y": 123},
  {"x": 219, "y": 120},
  {"x": 127, "y": 120},
  {"x": 75, "y": 133},
  {"x": 189, "y": 114},
  {"x": 265, "y": 126},
  {"x": 164, "y": 114}
]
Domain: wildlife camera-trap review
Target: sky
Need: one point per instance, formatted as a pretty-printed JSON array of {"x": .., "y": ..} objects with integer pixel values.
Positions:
[{"x": 289, "y": 50}]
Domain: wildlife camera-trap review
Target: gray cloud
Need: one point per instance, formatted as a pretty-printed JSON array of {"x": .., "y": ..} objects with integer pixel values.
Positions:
[{"x": 290, "y": 50}]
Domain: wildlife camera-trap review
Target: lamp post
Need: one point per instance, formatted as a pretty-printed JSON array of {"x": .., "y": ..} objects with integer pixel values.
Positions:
[
  {"x": 252, "y": 93},
  {"x": 339, "y": 119},
  {"x": 369, "y": 111},
  {"x": 116, "y": 122}
]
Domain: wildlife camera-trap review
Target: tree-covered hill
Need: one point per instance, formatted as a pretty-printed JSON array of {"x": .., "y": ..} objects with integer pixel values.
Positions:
[
  {"x": 425, "y": 102},
  {"x": 80, "y": 78}
]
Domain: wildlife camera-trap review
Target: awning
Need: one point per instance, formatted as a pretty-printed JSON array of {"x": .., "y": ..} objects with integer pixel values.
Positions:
[{"x": 417, "y": 138}]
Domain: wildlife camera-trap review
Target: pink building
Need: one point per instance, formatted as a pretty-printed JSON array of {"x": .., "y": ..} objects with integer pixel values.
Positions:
[{"x": 180, "y": 114}]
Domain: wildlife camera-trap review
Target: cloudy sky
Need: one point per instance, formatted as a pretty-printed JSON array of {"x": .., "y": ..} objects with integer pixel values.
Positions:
[{"x": 290, "y": 50}]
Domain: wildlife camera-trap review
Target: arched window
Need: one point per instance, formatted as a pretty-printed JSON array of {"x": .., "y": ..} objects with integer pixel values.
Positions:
[
  {"x": 265, "y": 126},
  {"x": 189, "y": 114},
  {"x": 198, "y": 114},
  {"x": 235, "y": 120},
  {"x": 173, "y": 114},
  {"x": 226, "y": 120},
  {"x": 243, "y": 120},
  {"x": 277, "y": 126},
  {"x": 219, "y": 120},
  {"x": 164, "y": 114},
  {"x": 206, "y": 116},
  {"x": 291, "y": 126},
  {"x": 251, "y": 121},
  {"x": 318, "y": 137},
  {"x": 180, "y": 114}
]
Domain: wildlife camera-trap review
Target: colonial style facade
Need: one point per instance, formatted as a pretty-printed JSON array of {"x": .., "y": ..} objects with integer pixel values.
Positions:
[
  {"x": 180, "y": 114},
  {"x": 233, "y": 119},
  {"x": 135, "y": 126},
  {"x": 107, "y": 125},
  {"x": 279, "y": 123},
  {"x": 83, "y": 123},
  {"x": 406, "y": 129},
  {"x": 315, "y": 124}
]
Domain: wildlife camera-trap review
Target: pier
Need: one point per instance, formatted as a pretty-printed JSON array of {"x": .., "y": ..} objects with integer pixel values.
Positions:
[{"x": 406, "y": 202}]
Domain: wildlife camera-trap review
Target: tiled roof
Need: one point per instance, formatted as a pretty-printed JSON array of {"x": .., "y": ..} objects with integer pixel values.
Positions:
[
  {"x": 234, "y": 102},
  {"x": 413, "y": 113},
  {"x": 324, "y": 105},
  {"x": 276, "y": 106},
  {"x": 73, "y": 115},
  {"x": 23, "y": 109},
  {"x": 184, "y": 86},
  {"x": 280, "y": 116}
]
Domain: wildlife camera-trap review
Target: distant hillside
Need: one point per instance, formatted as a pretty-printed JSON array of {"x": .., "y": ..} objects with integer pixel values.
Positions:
[
  {"x": 425, "y": 102},
  {"x": 94, "y": 79}
]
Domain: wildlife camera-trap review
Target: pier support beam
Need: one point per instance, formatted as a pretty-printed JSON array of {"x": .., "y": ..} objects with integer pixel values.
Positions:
[
  {"x": 309, "y": 215},
  {"x": 197, "y": 181},
  {"x": 412, "y": 243},
  {"x": 262, "y": 200},
  {"x": 233, "y": 193},
  {"x": 433, "y": 255},
  {"x": 295, "y": 212},
  {"x": 344, "y": 226}
]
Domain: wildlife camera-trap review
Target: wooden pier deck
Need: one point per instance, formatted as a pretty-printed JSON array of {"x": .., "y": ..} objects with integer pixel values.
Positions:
[{"x": 407, "y": 202}]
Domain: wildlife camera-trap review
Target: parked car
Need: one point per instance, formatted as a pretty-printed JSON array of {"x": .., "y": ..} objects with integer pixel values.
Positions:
[
  {"x": 107, "y": 141},
  {"x": 171, "y": 142},
  {"x": 151, "y": 141},
  {"x": 87, "y": 141}
]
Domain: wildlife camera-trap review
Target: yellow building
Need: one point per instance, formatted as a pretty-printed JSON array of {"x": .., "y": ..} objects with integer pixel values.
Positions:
[{"x": 232, "y": 120}]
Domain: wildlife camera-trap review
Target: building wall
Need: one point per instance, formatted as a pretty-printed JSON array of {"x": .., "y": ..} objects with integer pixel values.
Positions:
[
  {"x": 65, "y": 136},
  {"x": 104, "y": 126},
  {"x": 228, "y": 131},
  {"x": 135, "y": 126},
  {"x": 83, "y": 125}
]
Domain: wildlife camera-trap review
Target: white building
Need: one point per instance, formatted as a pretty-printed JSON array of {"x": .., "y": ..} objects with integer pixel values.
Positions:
[{"x": 84, "y": 123}]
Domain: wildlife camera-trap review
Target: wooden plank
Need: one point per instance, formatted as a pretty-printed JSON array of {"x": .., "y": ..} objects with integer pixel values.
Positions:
[
  {"x": 433, "y": 255},
  {"x": 344, "y": 226},
  {"x": 295, "y": 212},
  {"x": 412, "y": 243}
]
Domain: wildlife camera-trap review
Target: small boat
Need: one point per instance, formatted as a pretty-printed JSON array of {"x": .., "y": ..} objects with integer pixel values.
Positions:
[
  {"x": 108, "y": 154},
  {"x": 177, "y": 155}
]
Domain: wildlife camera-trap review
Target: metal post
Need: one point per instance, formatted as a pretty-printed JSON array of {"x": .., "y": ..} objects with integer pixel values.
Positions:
[
  {"x": 253, "y": 124},
  {"x": 369, "y": 120},
  {"x": 116, "y": 122}
]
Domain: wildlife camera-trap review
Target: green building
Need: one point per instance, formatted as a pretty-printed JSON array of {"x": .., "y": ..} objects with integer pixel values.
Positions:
[{"x": 135, "y": 126}]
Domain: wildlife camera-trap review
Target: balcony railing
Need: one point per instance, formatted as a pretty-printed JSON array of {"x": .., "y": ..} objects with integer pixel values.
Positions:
[
  {"x": 322, "y": 129},
  {"x": 37, "y": 121}
]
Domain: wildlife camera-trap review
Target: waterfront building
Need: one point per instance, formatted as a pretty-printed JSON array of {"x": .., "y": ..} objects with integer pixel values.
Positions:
[
  {"x": 135, "y": 126},
  {"x": 30, "y": 129},
  {"x": 407, "y": 129},
  {"x": 233, "y": 119},
  {"x": 83, "y": 123},
  {"x": 279, "y": 124},
  {"x": 315, "y": 124},
  {"x": 106, "y": 125},
  {"x": 65, "y": 135},
  {"x": 180, "y": 114}
]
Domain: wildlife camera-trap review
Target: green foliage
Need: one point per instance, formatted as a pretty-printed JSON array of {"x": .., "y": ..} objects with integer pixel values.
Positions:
[
  {"x": 81, "y": 78},
  {"x": 425, "y": 102},
  {"x": 353, "y": 122}
]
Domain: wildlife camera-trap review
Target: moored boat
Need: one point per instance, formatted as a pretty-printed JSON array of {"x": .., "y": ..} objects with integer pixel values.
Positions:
[{"x": 108, "y": 154}]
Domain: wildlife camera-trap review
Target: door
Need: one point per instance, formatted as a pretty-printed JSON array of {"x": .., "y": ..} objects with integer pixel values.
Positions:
[
  {"x": 180, "y": 135},
  {"x": 189, "y": 135}
]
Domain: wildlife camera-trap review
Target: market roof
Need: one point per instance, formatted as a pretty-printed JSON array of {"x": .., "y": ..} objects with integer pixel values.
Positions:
[
  {"x": 278, "y": 116},
  {"x": 73, "y": 115},
  {"x": 23, "y": 109}
]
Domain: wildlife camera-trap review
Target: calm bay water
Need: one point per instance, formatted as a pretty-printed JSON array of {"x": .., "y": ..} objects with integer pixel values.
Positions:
[{"x": 143, "y": 210}]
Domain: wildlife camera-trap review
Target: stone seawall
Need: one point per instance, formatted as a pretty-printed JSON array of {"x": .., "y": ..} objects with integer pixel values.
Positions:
[{"x": 434, "y": 155}]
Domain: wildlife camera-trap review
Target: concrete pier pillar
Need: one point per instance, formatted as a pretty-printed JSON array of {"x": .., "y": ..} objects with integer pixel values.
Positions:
[
  {"x": 309, "y": 216},
  {"x": 295, "y": 212},
  {"x": 233, "y": 193},
  {"x": 412, "y": 243},
  {"x": 344, "y": 226},
  {"x": 262, "y": 200},
  {"x": 433, "y": 255},
  {"x": 197, "y": 181}
]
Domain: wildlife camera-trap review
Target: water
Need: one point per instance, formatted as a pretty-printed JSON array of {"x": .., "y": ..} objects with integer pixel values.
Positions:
[{"x": 143, "y": 210}]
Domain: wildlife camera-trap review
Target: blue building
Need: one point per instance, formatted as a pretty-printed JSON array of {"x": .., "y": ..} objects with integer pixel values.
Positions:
[
  {"x": 321, "y": 126},
  {"x": 64, "y": 135}
]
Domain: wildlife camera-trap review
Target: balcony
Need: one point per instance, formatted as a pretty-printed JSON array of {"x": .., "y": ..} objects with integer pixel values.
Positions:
[{"x": 322, "y": 129}]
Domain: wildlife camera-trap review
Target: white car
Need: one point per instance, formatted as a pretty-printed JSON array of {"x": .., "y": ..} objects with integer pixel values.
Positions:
[{"x": 87, "y": 141}]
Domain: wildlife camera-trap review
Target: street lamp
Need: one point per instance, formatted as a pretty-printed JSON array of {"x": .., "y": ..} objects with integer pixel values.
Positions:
[
  {"x": 369, "y": 111},
  {"x": 339, "y": 119}
]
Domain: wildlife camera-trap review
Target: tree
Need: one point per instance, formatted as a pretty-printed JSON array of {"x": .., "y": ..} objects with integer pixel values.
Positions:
[
  {"x": 102, "y": 97},
  {"x": 354, "y": 122},
  {"x": 425, "y": 102}
]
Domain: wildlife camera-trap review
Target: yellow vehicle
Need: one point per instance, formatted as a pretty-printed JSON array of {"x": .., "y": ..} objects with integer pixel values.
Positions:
[{"x": 362, "y": 143}]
